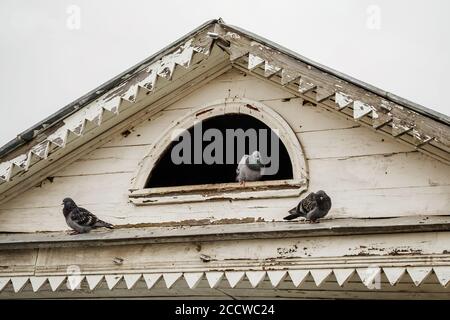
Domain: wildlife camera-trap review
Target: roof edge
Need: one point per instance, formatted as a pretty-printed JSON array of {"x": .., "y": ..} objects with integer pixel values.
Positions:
[
  {"x": 383, "y": 93},
  {"x": 30, "y": 133}
]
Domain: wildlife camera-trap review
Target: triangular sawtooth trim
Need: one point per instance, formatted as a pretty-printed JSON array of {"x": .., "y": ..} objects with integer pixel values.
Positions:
[
  {"x": 342, "y": 275},
  {"x": 371, "y": 105},
  {"x": 106, "y": 107},
  {"x": 193, "y": 279},
  {"x": 394, "y": 274},
  {"x": 171, "y": 278},
  {"x": 93, "y": 281},
  {"x": 37, "y": 282},
  {"x": 131, "y": 279},
  {"x": 320, "y": 275},
  {"x": 369, "y": 276},
  {"x": 322, "y": 91},
  {"x": 276, "y": 276},
  {"x": 234, "y": 277},
  {"x": 214, "y": 278}
]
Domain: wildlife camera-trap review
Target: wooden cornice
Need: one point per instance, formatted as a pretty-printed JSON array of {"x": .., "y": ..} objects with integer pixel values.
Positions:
[{"x": 226, "y": 231}]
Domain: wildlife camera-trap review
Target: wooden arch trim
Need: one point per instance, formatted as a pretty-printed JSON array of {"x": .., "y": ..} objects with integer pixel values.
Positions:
[{"x": 259, "y": 189}]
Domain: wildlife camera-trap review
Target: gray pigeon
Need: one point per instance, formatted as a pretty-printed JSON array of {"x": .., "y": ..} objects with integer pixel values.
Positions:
[
  {"x": 313, "y": 207},
  {"x": 249, "y": 168},
  {"x": 80, "y": 219}
]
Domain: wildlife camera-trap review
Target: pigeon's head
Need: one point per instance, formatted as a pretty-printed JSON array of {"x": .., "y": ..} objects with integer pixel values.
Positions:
[
  {"x": 68, "y": 203},
  {"x": 322, "y": 197},
  {"x": 255, "y": 157}
]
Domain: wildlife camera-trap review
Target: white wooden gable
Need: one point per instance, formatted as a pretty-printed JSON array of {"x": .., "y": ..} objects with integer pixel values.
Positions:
[{"x": 376, "y": 155}]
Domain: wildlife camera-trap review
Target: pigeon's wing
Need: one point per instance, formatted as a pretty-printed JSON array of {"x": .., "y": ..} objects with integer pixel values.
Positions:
[
  {"x": 83, "y": 217},
  {"x": 314, "y": 214},
  {"x": 309, "y": 203},
  {"x": 321, "y": 214}
]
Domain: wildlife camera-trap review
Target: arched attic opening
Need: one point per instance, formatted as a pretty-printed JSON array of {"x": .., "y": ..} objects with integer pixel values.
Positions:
[
  {"x": 166, "y": 173},
  {"x": 159, "y": 180}
]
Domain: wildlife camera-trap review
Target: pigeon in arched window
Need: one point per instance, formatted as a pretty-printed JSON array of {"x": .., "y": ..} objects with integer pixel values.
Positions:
[
  {"x": 249, "y": 168},
  {"x": 313, "y": 207},
  {"x": 80, "y": 219}
]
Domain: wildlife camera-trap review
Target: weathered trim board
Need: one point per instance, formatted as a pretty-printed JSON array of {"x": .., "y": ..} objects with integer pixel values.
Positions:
[
  {"x": 213, "y": 232},
  {"x": 371, "y": 265},
  {"x": 366, "y": 283}
]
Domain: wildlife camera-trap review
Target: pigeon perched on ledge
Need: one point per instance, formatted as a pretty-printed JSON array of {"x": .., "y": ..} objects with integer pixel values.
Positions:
[
  {"x": 249, "y": 168},
  {"x": 80, "y": 219},
  {"x": 313, "y": 207}
]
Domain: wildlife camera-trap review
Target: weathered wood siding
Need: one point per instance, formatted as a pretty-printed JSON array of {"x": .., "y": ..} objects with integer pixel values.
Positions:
[
  {"x": 307, "y": 254},
  {"x": 367, "y": 174}
]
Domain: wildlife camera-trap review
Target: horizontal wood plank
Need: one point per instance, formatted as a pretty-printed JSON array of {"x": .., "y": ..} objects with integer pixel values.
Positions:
[
  {"x": 378, "y": 203},
  {"x": 262, "y": 230},
  {"x": 400, "y": 170},
  {"x": 348, "y": 143}
]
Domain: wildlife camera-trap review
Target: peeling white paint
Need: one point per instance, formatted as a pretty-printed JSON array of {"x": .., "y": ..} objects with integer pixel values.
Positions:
[
  {"x": 236, "y": 52},
  {"x": 386, "y": 105},
  {"x": 4, "y": 170},
  {"x": 288, "y": 76},
  {"x": 342, "y": 99},
  {"x": 270, "y": 69},
  {"x": 305, "y": 85},
  {"x": 375, "y": 114},
  {"x": 232, "y": 35},
  {"x": 361, "y": 109},
  {"x": 20, "y": 160},
  {"x": 7, "y": 167},
  {"x": 398, "y": 127},
  {"x": 254, "y": 61},
  {"x": 259, "y": 46},
  {"x": 40, "y": 149}
]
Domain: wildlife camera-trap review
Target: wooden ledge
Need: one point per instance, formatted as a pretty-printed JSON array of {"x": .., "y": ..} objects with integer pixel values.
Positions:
[
  {"x": 258, "y": 230},
  {"x": 220, "y": 191}
]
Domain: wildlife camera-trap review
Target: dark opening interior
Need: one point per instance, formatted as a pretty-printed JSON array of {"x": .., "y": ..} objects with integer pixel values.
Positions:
[{"x": 168, "y": 174}]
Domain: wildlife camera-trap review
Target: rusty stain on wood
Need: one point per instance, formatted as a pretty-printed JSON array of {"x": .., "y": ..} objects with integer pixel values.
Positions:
[
  {"x": 203, "y": 112},
  {"x": 251, "y": 107},
  {"x": 191, "y": 222},
  {"x": 126, "y": 133}
]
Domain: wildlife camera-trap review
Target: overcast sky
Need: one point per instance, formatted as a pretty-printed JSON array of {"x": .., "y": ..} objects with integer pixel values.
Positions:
[{"x": 47, "y": 59}]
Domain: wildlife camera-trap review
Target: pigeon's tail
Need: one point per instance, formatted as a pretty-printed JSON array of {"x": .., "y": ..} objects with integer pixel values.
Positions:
[
  {"x": 293, "y": 213},
  {"x": 291, "y": 216},
  {"x": 103, "y": 224}
]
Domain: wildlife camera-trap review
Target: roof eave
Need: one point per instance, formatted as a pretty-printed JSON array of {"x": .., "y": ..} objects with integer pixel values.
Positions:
[
  {"x": 401, "y": 101},
  {"x": 29, "y": 134}
]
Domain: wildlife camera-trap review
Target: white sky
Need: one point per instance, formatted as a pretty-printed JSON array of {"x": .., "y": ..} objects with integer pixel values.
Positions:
[{"x": 45, "y": 65}]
